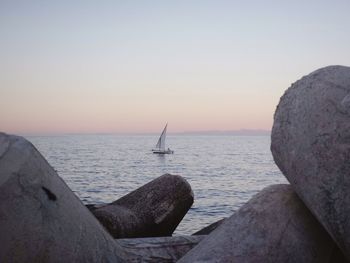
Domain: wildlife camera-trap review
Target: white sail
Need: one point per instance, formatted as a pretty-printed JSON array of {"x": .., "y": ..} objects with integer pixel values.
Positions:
[
  {"x": 160, "y": 146},
  {"x": 161, "y": 141}
]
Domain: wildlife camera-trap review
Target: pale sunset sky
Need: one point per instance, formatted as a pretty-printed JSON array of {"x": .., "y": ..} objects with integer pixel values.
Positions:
[{"x": 132, "y": 66}]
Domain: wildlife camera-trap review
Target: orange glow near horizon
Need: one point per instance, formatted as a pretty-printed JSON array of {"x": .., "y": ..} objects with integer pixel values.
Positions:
[{"x": 89, "y": 109}]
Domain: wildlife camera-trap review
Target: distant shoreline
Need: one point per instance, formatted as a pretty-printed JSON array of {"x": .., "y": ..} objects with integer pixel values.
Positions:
[
  {"x": 234, "y": 132},
  {"x": 243, "y": 132}
]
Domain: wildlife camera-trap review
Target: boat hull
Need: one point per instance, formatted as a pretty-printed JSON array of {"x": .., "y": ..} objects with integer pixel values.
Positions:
[{"x": 163, "y": 152}]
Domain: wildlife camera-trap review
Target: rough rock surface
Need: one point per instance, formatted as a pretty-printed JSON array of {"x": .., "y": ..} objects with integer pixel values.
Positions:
[
  {"x": 310, "y": 143},
  {"x": 41, "y": 220},
  {"x": 274, "y": 226},
  {"x": 152, "y": 210},
  {"x": 158, "y": 249}
]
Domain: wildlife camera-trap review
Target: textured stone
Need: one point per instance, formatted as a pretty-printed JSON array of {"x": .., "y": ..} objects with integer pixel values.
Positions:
[
  {"x": 41, "y": 220},
  {"x": 152, "y": 210},
  {"x": 274, "y": 226},
  {"x": 310, "y": 143},
  {"x": 158, "y": 249}
]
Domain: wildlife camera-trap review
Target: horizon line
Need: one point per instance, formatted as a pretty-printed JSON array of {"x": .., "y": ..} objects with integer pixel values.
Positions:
[{"x": 190, "y": 132}]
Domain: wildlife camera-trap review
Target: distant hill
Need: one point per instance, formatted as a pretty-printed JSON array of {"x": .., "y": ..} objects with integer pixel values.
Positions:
[{"x": 242, "y": 132}]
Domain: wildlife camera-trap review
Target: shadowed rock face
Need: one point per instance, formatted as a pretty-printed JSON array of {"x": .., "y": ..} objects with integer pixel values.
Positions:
[
  {"x": 152, "y": 210},
  {"x": 158, "y": 249},
  {"x": 210, "y": 228},
  {"x": 310, "y": 143},
  {"x": 41, "y": 220},
  {"x": 274, "y": 226}
]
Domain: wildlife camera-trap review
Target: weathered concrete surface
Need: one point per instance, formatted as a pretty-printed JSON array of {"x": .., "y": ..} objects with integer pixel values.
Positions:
[
  {"x": 41, "y": 220},
  {"x": 274, "y": 226},
  {"x": 210, "y": 228},
  {"x": 158, "y": 249},
  {"x": 311, "y": 145},
  {"x": 152, "y": 210}
]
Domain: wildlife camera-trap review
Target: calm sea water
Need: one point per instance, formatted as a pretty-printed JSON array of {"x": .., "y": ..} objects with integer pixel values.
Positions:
[{"x": 223, "y": 171}]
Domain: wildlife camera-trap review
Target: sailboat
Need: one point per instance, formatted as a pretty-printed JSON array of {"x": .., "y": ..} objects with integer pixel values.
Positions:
[{"x": 160, "y": 146}]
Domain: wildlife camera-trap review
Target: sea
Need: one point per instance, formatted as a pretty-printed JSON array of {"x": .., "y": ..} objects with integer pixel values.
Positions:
[{"x": 224, "y": 171}]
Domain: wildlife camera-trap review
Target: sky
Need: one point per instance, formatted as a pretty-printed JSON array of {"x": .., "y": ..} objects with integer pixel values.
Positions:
[{"x": 132, "y": 66}]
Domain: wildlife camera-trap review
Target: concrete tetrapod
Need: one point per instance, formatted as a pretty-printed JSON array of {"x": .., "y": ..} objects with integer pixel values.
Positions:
[
  {"x": 41, "y": 220},
  {"x": 310, "y": 143},
  {"x": 153, "y": 210},
  {"x": 274, "y": 226}
]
